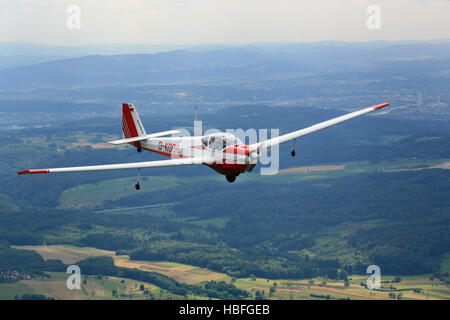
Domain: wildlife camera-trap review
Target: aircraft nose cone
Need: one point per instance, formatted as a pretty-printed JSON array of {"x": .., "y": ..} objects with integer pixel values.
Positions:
[{"x": 254, "y": 155}]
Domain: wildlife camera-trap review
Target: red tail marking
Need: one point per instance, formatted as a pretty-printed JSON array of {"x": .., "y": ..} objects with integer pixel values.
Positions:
[
  {"x": 34, "y": 171},
  {"x": 129, "y": 121},
  {"x": 125, "y": 130},
  {"x": 128, "y": 126}
]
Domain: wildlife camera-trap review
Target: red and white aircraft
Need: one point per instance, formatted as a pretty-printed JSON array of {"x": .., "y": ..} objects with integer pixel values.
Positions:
[{"x": 223, "y": 152}]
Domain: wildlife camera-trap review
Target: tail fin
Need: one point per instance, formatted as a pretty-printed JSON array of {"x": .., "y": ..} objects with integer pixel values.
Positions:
[{"x": 131, "y": 124}]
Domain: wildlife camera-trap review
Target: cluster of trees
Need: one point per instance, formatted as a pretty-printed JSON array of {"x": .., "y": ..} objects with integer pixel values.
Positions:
[
  {"x": 108, "y": 241},
  {"x": 30, "y": 226},
  {"x": 237, "y": 263},
  {"x": 412, "y": 249},
  {"x": 213, "y": 289},
  {"x": 26, "y": 261}
]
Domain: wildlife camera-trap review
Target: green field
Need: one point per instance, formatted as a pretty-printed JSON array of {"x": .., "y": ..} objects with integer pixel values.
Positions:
[
  {"x": 303, "y": 289},
  {"x": 91, "y": 288},
  {"x": 317, "y": 288},
  {"x": 8, "y": 291},
  {"x": 445, "y": 265},
  {"x": 66, "y": 253},
  {"x": 93, "y": 195}
]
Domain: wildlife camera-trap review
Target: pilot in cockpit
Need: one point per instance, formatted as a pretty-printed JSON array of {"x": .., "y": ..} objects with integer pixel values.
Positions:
[{"x": 215, "y": 143}]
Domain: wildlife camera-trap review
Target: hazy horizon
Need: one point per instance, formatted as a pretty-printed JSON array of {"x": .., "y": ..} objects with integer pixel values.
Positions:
[
  {"x": 60, "y": 51},
  {"x": 219, "y": 22}
]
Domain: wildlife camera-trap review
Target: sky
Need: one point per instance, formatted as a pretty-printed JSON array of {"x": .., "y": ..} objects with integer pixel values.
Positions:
[{"x": 220, "y": 21}]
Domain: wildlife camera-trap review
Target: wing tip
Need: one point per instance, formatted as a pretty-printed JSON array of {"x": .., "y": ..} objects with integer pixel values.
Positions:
[
  {"x": 379, "y": 106},
  {"x": 33, "y": 171}
]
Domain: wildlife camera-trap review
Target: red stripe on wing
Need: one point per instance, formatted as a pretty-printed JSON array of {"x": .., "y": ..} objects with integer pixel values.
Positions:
[
  {"x": 34, "y": 171},
  {"x": 379, "y": 106}
]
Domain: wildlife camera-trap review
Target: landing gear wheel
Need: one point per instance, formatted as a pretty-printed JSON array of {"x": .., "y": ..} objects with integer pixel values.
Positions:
[
  {"x": 231, "y": 178},
  {"x": 139, "y": 149},
  {"x": 137, "y": 185},
  {"x": 293, "y": 149}
]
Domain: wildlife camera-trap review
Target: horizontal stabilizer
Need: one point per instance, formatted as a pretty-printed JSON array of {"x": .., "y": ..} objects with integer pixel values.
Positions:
[{"x": 144, "y": 137}]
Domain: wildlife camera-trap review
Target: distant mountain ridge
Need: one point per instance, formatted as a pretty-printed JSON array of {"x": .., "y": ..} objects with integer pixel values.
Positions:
[
  {"x": 142, "y": 68},
  {"x": 222, "y": 63}
]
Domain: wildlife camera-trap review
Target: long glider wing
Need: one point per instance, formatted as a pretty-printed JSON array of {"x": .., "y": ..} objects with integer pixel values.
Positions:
[
  {"x": 322, "y": 125},
  {"x": 133, "y": 165}
]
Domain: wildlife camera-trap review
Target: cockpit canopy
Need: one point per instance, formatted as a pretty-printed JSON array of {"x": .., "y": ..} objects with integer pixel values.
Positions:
[{"x": 220, "y": 141}]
